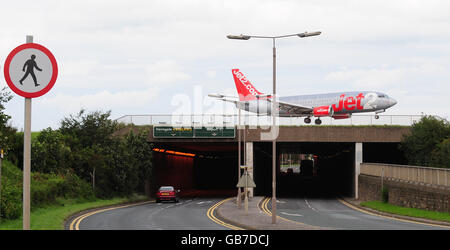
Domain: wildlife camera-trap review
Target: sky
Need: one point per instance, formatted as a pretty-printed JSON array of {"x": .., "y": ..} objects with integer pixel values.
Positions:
[{"x": 163, "y": 57}]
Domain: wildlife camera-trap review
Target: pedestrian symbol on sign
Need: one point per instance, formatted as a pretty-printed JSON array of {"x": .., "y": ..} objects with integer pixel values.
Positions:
[
  {"x": 30, "y": 70},
  {"x": 30, "y": 64}
]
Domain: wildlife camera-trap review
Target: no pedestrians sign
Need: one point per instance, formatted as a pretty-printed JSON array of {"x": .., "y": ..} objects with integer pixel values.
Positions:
[{"x": 30, "y": 70}]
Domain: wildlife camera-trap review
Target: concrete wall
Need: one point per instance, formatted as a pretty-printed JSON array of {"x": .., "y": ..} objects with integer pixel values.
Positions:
[
  {"x": 406, "y": 194},
  {"x": 433, "y": 176},
  {"x": 335, "y": 133},
  {"x": 305, "y": 134}
]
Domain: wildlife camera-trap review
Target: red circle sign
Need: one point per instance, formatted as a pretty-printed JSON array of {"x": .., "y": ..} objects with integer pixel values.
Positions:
[{"x": 30, "y": 70}]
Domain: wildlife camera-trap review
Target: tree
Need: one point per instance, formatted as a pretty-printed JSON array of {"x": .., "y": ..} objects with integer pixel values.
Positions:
[
  {"x": 50, "y": 153},
  {"x": 141, "y": 154},
  {"x": 88, "y": 135},
  {"x": 423, "y": 140},
  {"x": 86, "y": 145},
  {"x": 440, "y": 157},
  {"x": 6, "y": 130}
]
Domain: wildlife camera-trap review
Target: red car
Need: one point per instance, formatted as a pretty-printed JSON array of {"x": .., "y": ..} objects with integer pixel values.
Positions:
[{"x": 167, "y": 193}]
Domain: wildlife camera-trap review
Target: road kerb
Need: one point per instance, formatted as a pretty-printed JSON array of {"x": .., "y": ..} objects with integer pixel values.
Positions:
[
  {"x": 395, "y": 216},
  {"x": 73, "y": 221}
]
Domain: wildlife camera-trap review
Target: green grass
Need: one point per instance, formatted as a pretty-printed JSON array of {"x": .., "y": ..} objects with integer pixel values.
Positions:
[
  {"x": 34, "y": 135},
  {"x": 52, "y": 217},
  {"x": 412, "y": 212}
]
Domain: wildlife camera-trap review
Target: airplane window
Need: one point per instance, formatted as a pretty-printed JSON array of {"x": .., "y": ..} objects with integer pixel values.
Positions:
[{"x": 381, "y": 96}]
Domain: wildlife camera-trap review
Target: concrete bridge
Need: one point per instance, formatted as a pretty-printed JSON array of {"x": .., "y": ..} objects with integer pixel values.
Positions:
[{"x": 195, "y": 161}]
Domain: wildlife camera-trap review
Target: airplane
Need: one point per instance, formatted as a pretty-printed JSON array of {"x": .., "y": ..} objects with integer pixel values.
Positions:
[{"x": 340, "y": 105}]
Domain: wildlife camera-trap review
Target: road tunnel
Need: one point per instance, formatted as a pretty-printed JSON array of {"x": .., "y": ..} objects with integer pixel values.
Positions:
[
  {"x": 325, "y": 169},
  {"x": 306, "y": 169},
  {"x": 197, "y": 169}
]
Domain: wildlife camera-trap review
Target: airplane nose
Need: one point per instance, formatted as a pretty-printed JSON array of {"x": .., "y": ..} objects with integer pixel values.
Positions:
[{"x": 393, "y": 102}]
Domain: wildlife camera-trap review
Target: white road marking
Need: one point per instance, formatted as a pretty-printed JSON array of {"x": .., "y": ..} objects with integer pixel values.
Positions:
[
  {"x": 201, "y": 202},
  {"x": 307, "y": 203},
  {"x": 291, "y": 214}
]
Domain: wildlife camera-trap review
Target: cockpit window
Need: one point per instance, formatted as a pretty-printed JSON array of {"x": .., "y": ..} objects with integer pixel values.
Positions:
[{"x": 382, "y": 95}]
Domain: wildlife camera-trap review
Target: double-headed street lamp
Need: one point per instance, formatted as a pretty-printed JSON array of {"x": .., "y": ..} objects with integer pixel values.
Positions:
[{"x": 274, "y": 108}]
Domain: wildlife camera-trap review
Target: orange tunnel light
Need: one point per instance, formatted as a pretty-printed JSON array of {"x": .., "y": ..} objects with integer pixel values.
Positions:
[{"x": 173, "y": 152}]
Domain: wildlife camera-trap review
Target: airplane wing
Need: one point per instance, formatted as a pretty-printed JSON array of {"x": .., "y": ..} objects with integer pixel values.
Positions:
[
  {"x": 293, "y": 109},
  {"x": 288, "y": 108}
]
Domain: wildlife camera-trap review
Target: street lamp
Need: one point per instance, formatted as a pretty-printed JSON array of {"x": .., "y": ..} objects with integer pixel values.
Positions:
[{"x": 274, "y": 105}]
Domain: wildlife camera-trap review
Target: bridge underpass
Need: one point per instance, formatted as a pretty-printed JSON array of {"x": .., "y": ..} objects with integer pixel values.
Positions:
[
  {"x": 209, "y": 170},
  {"x": 336, "y": 152},
  {"x": 330, "y": 173}
]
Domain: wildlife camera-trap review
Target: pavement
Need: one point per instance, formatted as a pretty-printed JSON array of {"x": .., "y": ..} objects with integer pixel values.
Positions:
[{"x": 256, "y": 218}]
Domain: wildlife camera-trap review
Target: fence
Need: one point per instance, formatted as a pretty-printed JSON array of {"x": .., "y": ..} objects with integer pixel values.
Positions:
[
  {"x": 433, "y": 176},
  {"x": 255, "y": 120}
]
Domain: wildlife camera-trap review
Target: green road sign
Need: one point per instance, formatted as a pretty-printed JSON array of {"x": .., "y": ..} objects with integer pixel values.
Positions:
[{"x": 193, "y": 132}]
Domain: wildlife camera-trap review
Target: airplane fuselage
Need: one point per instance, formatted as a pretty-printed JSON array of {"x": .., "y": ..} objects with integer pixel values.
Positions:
[{"x": 337, "y": 103}]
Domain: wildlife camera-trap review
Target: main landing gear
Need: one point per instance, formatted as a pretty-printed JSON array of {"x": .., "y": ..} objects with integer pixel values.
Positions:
[{"x": 317, "y": 121}]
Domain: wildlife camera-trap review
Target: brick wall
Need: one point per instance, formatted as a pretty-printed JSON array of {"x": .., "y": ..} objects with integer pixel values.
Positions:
[{"x": 406, "y": 194}]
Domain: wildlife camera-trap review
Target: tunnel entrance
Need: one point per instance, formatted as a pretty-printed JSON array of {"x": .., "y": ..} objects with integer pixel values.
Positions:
[
  {"x": 325, "y": 169},
  {"x": 306, "y": 169},
  {"x": 197, "y": 169}
]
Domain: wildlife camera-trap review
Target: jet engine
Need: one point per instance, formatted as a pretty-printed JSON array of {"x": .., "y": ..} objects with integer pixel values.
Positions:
[
  {"x": 342, "y": 116},
  {"x": 323, "y": 111}
]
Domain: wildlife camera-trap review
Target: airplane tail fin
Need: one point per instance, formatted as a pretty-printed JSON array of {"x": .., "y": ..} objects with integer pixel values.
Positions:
[{"x": 245, "y": 89}]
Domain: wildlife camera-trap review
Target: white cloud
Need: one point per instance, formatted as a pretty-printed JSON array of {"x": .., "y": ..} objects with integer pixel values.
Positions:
[
  {"x": 112, "y": 50},
  {"x": 77, "y": 68},
  {"x": 165, "y": 72},
  {"x": 401, "y": 76},
  {"x": 104, "y": 100}
]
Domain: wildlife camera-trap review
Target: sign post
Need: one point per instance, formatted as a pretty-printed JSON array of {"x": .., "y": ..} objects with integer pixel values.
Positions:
[
  {"x": 30, "y": 71},
  {"x": 1, "y": 161},
  {"x": 246, "y": 181}
]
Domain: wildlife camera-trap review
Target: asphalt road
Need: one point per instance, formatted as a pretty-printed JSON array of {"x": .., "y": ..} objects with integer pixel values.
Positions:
[
  {"x": 331, "y": 213},
  {"x": 188, "y": 214}
]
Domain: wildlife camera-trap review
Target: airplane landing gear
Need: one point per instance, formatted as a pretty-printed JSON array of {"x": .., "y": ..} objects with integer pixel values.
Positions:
[
  {"x": 377, "y": 117},
  {"x": 318, "y": 121},
  {"x": 307, "y": 120}
]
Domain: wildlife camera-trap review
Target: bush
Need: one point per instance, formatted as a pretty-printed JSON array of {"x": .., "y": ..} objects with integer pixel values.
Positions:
[
  {"x": 440, "y": 158},
  {"x": 384, "y": 195},
  {"x": 11, "y": 200},
  {"x": 45, "y": 189}
]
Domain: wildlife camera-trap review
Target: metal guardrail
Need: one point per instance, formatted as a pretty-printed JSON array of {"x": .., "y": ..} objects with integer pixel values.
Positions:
[
  {"x": 433, "y": 176},
  {"x": 255, "y": 120}
]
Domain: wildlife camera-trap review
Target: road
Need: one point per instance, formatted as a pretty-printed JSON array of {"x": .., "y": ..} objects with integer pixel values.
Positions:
[
  {"x": 196, "y": 214},
  {"x": 331, "y": 213},
  {"x": 188, "y": 214}
]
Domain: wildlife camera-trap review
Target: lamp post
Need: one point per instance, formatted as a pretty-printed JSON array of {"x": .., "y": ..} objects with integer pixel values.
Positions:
[
  {"x": 239, "y": 159},
  {"x": 274, "y": 107}
]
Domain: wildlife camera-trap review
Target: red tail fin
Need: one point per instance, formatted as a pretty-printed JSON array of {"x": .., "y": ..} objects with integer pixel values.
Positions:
[{"x": 244, "y": 88}]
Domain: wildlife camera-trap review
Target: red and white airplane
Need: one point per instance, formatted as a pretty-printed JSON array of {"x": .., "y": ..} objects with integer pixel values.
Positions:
[{"x": 337, "y": 105}]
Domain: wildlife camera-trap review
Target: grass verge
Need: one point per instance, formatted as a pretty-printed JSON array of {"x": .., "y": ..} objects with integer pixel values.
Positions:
[
  {"x": 412, "y": 212},
  {"x": 52, "y": 217}
]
